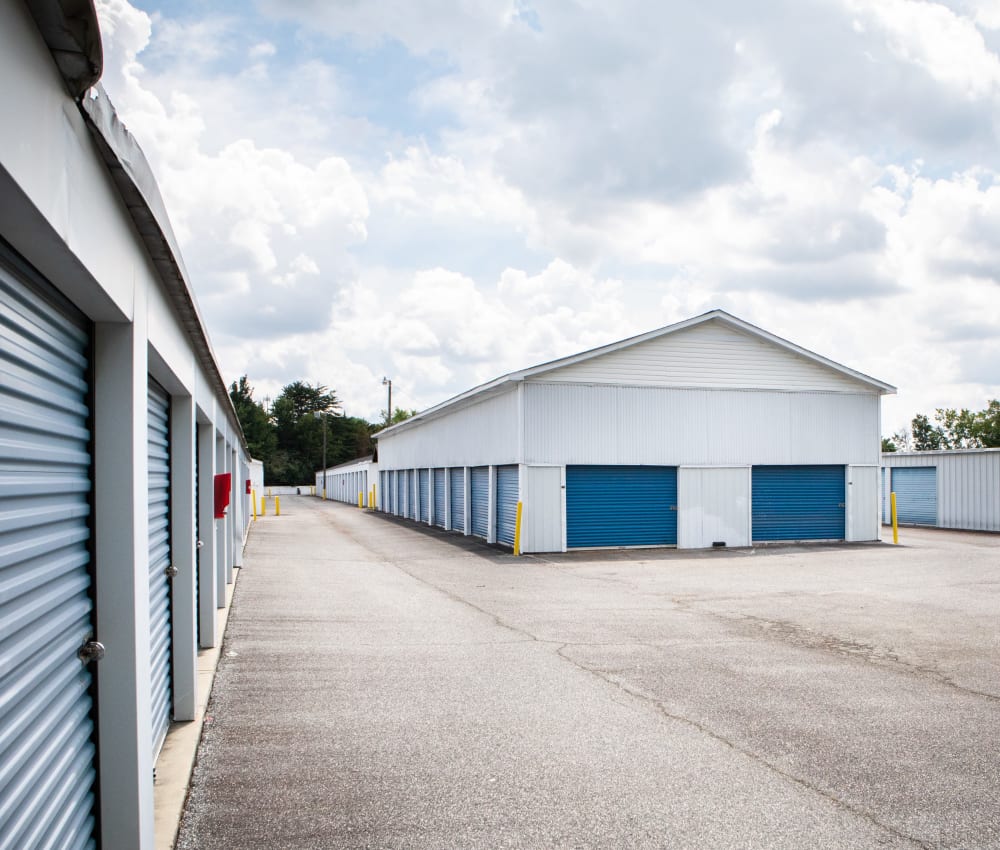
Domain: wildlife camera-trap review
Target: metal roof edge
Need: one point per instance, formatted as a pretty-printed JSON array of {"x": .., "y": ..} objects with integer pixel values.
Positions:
[
  {"x": 926, "y": 452},
  {"x": 543, "y": 368},
  {"x": 711, "y": 315},
  {"x": 71, "y": 31},
  {"x": 134, "y": 180}
]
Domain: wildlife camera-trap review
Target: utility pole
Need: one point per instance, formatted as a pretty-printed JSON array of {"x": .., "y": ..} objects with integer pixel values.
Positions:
[{"x": 388, "y": 408}]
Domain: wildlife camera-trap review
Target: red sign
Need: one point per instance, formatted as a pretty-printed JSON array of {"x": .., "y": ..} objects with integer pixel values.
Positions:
[{"x": 223, "y": 484}]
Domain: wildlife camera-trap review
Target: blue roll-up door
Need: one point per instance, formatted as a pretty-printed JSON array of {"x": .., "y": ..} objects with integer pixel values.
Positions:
[
  {"x": 457, "y": 485},
  {"x": 439, "y": 497},
  {"x": 916, "y": 494},
  {"x": 621, "y": 506},
  {"x": 158, "y": 408},
  {"x": 506, "y": 502},
  {"x": 424, "y": 496},
  {"x": 798, "y": 502},
  {"x": 480, "y": 486},
  {"x": 47, "y": 754}
]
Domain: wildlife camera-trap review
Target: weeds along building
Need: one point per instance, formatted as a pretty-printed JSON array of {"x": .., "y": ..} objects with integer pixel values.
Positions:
[
  {"x": 114, "y": 423},
  {"x": 707, "y": 432}
]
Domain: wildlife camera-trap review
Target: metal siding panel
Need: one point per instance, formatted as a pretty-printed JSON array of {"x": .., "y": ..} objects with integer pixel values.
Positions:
[
  {"x": 863, "y": 503},
  {"x": 424, "y": 496},
  {"x": 47, "y": 753},
  {"x": 712, "y": 354},
  {"x": 158, "y": 452},
  {"x": 798, "y": 503},
  {"x": 400, "y": 503},
  {"x": 916, "y": 495},
  {"x": 713, "y": 506},
  {"x": 439, "y": 497},
  {"x": 622, "y": 425},
  {"x": 457, "y": 485},
  {"x": 506, "y": 503},
  {"x": 621, "y": 506},
  {"x": 480, "y": 486},
  {"x": 542, "y": 499},
  {"x": 485, "y": 432}
]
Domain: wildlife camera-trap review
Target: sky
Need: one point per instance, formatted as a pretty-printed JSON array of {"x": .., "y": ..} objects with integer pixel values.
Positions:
[{"x": 445, "y": 191}]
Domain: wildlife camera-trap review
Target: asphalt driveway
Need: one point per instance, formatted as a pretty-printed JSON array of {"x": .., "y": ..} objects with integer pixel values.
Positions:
[{"x": 386, "y": 686}]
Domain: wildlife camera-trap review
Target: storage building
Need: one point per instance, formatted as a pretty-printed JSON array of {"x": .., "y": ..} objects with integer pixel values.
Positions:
[
  {"x": 707, "y": 432},
  {"x": 114, "y": 422},
  {"x": 959, "y": 488},
  {"x": 347, "y": 481}
]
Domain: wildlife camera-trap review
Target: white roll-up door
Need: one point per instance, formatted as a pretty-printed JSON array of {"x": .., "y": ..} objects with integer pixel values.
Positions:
[
  {"x": 160, "y": 568},
  {"x": 47, "y": 753}
]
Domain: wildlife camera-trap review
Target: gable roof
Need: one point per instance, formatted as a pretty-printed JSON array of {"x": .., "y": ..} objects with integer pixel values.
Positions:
[{"x": 504, "y": 382}]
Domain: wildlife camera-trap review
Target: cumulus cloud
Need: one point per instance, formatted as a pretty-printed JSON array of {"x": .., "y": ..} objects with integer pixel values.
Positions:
[{"x": 443, "y": 192}]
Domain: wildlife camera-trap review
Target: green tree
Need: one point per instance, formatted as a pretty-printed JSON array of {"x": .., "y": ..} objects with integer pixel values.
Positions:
[
  {"x": 926, "y": 437},
  {"x": 888, "y": 445},
  {"x": 986, "y": 426},
  {"x": 256, "y": 425},
  {"x": 958, "y": 428},
  {"x": 300, "y": 432}
]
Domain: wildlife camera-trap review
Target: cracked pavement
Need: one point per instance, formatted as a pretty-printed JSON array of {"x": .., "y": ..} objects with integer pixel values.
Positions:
[{"x": 384, "y": 685}]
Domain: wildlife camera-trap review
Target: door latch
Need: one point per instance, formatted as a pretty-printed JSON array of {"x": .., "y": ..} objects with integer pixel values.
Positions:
[
  {"x": 92, "y": 650},
  {"x": 170, "y": 571},
  {"x": 841, "y": 504}
]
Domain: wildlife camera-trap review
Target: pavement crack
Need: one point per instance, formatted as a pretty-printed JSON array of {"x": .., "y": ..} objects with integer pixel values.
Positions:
[
  {"x": 665, "y": 712},
  {"x": 794, "y": 634}
]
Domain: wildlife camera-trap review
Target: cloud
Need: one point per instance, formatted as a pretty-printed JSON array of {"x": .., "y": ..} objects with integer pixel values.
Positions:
[{"x": 444, "y": 192}]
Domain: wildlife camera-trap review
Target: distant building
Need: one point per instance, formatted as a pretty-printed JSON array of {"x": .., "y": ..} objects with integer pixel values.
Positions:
[
  {"x": 959, "y": 488},
  {"x": 707, "y": 432},
  {"x": 114, "y": 421}
]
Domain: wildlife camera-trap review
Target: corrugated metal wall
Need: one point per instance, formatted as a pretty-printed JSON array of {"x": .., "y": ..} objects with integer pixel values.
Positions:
[
  {"x": 484, "y": 433},
  {"x": 968, "y": 485},
  {"x": 568, "y": 423}
]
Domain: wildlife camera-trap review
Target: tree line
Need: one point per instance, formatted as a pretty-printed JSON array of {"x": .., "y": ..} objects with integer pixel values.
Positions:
[
  {"x": 288, "y": 435},
  {"x": 951, "y": 429}
]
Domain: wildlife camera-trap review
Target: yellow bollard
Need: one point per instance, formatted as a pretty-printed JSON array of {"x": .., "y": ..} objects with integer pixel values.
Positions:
[
  {"x": 517, "y": 531},
  {"x": 253, "y": 501},
  {"x": 361, "y": 499},
  {"x": 371, "y": 500},
  {"x": 263, "y": 505},
  {"x": 895, "y": 525},
  {"x": 277, "y": 505}
]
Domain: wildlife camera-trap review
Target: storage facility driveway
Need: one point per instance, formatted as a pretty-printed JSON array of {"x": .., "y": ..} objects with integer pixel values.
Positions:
[{"x": 386, "y": 686}]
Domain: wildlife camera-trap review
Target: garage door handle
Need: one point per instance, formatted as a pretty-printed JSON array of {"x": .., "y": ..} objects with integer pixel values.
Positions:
[
  {"x": 170, "y": 572},
  {"x": 841, "y": 504},
  {"x": 92, "y": 650},
  {"x": 673, "y": 507}
]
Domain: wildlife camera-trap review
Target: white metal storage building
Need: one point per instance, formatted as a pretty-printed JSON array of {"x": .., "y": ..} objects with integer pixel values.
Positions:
[
  {"x": 114, "y": 420},
  {"x": 710, "y": 431},
  {"x": 958, "y": 488},
  {"x": 346, "y": 481}
]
